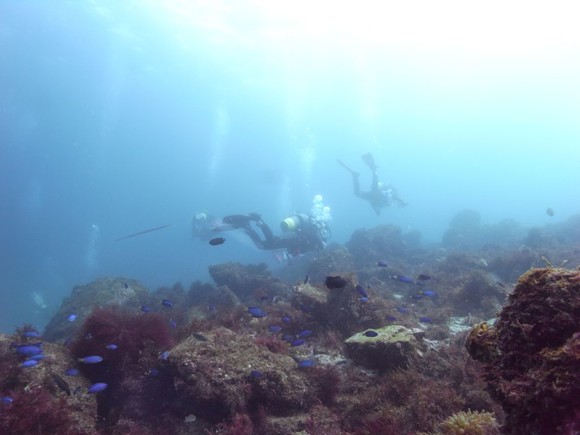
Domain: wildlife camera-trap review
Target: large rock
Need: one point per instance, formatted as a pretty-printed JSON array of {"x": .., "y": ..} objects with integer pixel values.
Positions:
[
  {"x": 392, "y": 347},
  {"x": 44, "y": 399},
  {"x": 220, "y": 373},
  {"x": 249, "y": 281},
  {"x": 125, "y": 293},
  {"x": 336, "y": 309},
  {"x": 532, "y": 353}
]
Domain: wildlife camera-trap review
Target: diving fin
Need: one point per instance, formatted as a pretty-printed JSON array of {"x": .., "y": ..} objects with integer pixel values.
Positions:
[{"x": 369, "y": 161}]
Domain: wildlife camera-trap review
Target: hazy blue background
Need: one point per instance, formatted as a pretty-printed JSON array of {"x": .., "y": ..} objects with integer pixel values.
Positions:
[{"x": 118, "y": 116}]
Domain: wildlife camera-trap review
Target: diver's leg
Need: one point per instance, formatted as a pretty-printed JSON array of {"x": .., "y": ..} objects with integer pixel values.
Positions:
[
  {"x": 356, "y": 186},
  {"x": 268, "y": 234},
  {"x": 375, "y": 182},
  {"x": 238, "y": 220},
  {"x": 260, "y": 244}
]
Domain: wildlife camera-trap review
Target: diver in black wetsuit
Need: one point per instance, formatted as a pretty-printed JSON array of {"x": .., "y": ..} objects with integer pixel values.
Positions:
[
  {"x": 301, "y": 233},
  {"x": 380, "y": 195}
]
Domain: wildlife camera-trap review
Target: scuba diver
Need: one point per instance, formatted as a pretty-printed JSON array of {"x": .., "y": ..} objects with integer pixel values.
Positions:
[
  {"x": 380, "y": 194},
  {"x": 301, "y": 232}
]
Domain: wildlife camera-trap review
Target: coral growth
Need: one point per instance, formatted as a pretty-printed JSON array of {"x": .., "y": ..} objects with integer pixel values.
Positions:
[{"x": 469, "y": 423}]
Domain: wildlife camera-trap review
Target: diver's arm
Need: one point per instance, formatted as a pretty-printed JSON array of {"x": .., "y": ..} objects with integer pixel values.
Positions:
[{"x": 400, "y": 201}]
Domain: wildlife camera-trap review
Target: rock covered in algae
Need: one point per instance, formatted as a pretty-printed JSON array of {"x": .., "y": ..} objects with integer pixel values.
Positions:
[
  {"x": 42, "y": 398},
  {"x": 532, "y": 353},
  {"x": 224, "y": 372},
  {"x": 336, "y": 308},
  {"x": 386, "y": 348},
  {"x": 102, "y": 292}
]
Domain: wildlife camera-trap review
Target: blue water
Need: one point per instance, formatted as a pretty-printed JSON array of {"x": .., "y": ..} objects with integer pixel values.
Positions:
[{"x": 116, "y": 117}]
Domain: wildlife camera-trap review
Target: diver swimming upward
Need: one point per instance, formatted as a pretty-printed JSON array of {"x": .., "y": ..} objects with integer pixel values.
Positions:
[{"x": 380, "y": 194}]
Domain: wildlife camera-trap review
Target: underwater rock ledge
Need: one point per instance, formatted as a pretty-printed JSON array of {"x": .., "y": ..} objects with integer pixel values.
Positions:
[{"x": 532, "y": 353}]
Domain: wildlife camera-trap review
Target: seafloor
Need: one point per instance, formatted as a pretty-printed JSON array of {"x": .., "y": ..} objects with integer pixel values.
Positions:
[{"x": 477, "y": 335}]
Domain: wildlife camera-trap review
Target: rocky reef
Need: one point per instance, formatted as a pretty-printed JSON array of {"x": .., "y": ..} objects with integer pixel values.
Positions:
[
  {"x": 385, "y": 348},
  {"x": 532, "y": 353},
  {"x": 103, "y": 292},
  {"x": 359, "y": 339},
  {"x": 40, "y": 397}
]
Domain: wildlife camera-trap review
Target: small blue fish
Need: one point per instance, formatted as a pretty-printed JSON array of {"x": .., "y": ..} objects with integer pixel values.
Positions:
[
  {"x": 305, "y": 363},
  {"x": 287, "y": 337},
  {"x": 71, "y": 372},
  {"x": 256, "y": 312},
  {"x": 97, "y": 388},
  {"x": 211, "y": 308},
  {"x": 274, "y": 328},
  {"x": 391, "y": 318},
  {"x": 6, "y": 400},
  {"x": 145, "y": 309},
  {"x": 430, "y": 293},
  {"x": 38, "y": 357},
  {"x": 305, "y": 333},
  {"x": 72, "y": 317},
  {"x": 126, "y": 285},
  {"x": 256, "y": 374},
  {"x": 371, "y": 333},
  {"x": 112, "y": 346},
  {"x": 31, "y": 334},
  {"x": 29, "y": 363},
  {"x": 403, "y": 278},
  {"x": 287, "y": 319},
  {"x": 382, "y": 264},
  {"x": 416, "y": 296},
  {"x": 28, "y": 349},
  {"x": 172, "y": 323},
  {"x": 166, "y": 303},
  {"x": 403, "y": 310},
  {"x": 363, "y": 300},
  {"x": 153, "y": 372},
  {"x": 298, "y": 342},
  {"x": 93, "y": 359},
  {"x": 361, "y": 291},
  {"x": 164, "y": 355},
  {"x": 425, "y": 319}
]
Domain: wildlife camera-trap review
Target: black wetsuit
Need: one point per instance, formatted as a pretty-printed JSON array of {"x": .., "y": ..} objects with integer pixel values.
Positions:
[
  {"x": 376, "y": 197},
  {"x": 306, "y": 237}
]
